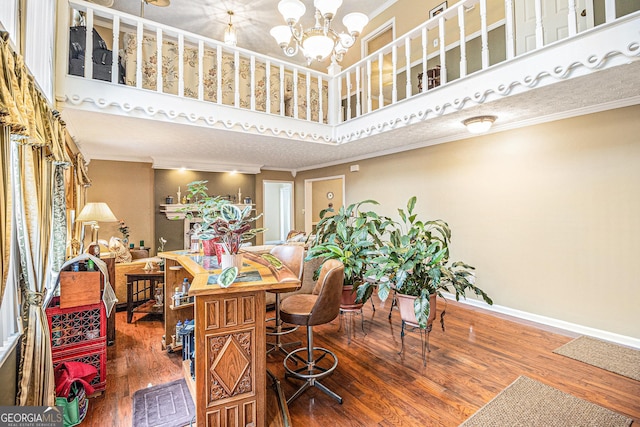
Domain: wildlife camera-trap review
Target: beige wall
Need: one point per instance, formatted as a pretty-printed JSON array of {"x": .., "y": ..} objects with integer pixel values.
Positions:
[
  {"x": 127, "y": 187},
  {"x": 548, "y": 214},
  {"x": 320, "y": 200}
]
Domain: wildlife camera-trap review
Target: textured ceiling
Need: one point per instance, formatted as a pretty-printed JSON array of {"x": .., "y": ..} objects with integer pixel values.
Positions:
[{"x": 103, "y": 136}]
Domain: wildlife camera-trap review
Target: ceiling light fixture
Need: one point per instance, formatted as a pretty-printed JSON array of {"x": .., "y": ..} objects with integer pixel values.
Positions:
[
  {"x": 479, "y": 124},
  {"x": 320, "y": 41},
  {"x": 230, "y": 36}
]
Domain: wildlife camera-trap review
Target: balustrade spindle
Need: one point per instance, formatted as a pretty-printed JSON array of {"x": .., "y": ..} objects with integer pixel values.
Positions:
[
  {"x": 308, "y": 112},
  {"x": 407, "y": 56},
  {"x": 572, "y": 18},
  {"x": 159, "y": 73},
  {"x": 509, "y": 30},
  {"x": 609, "y": 10},
  {"x": 200, "y": 70},
  {"x": 320, "y": 109},
  {"x": 139, "y": 35},
  {"x": 180, "y": 65},
  {"x": 282, "y": 90},
  {"x": 358, "y": 100},
  {"x": 267, "y": 77},
  {"x": 539, "y": 26},
  {"x": 425, "y": 78},
  {"x": 253, "y": 82},
  {"x": 88, "y": 57},
  {"x": 295, "y": 93},
  {"x": 236, "y": 79},
  {"x": 348, "y": 96},
  {"x": 115, "y": 72},
  {"x": 463, "y": 42},
  {"x": 443, "y": 56},
  {"x": 218, "y": 74},
  {"x": 369, "y": 101},
  {"x": 394, "y": 71},
  {"x": 380, "y": 85},
  {"x": 484, "y": 34}
]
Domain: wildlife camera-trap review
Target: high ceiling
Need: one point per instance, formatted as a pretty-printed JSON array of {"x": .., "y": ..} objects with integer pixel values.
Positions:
[
  {"x": 116, "y": 137},
  {"x": 252, "y": 19}
]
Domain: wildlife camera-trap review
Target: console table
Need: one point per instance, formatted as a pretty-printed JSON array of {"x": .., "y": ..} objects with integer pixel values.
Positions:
[
  {"x": 230, "y": 341},
  {"x": 141, "y": 285}
]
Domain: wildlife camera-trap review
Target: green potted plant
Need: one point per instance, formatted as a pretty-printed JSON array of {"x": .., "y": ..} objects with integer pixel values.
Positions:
[
  {"x": 416, "y": 263},
  {"x": 353, "y": 236},
  {"x": 222, "y": 222}
]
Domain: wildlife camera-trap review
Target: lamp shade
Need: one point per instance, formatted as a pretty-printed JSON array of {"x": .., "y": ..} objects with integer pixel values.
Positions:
[
  {"x": 479, "y": 124},
  {"x": 355, "y": 22},
  {"x": 291, "y": 10},
  {"x": 327, "y": 8},
  {"x": 317, "y": 46},
  {"x": 98, "y": 212},
  {"x": 282, "y": 34}
]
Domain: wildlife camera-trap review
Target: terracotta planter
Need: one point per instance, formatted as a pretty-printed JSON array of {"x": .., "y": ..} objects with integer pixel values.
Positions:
[
  {"x": 208, "y": 247},
  {"x": 407, "y": 312},
  {"x": 231, "y": 261},
  {"x": 348, "y": 299}
]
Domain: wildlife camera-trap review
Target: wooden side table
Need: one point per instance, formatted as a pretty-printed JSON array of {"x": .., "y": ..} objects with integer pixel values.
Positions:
[{"x": 141, "y": 286}]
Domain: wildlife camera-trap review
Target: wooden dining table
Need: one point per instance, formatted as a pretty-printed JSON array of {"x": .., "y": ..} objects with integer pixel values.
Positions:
[{"x": 230, "y": 340}]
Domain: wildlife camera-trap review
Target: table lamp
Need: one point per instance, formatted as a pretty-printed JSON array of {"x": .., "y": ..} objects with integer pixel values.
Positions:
[{"x": 92, "y": 213}]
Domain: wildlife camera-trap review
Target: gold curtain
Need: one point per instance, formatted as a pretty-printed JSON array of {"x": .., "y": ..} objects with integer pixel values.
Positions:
[
  {"x": 5, "y": 205},
  {"x": 38, "y": 158}
]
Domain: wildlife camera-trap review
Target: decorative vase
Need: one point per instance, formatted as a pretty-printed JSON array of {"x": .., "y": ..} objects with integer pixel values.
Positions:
[
  {"x": 234, "y": 260},
  {"x": 219, "y": 249},
  {"x": 408, "y": 313},
  {"x": 208, "y": 247}
]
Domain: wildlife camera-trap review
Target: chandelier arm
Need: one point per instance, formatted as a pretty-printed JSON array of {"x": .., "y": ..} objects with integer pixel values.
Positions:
[{"x": 290, "y": 50}]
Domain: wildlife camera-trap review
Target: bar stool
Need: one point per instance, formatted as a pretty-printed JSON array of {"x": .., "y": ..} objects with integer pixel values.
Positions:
[
  {"x": 292, "y": 256},
  {"x": 321, "y": 307}
]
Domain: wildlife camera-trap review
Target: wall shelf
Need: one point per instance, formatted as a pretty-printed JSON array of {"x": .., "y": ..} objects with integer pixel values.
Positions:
[{"x": 179, "y": 211}]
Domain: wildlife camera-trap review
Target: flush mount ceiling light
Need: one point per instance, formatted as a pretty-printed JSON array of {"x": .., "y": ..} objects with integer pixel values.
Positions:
[
  {"x": 230, "y": 36},
  {"x": 479, "y": 124},
  {"x": 320, "y": 41}
]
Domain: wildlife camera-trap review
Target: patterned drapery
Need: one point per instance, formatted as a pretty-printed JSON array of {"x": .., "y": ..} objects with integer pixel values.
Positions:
[
  {"x": 35, "y": 196},
  {"x": 170, "y": 76}
]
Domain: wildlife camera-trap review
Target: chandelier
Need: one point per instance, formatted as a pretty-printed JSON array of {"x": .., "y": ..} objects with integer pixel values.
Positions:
[
  {"x": 320, "y": 41},
  {"x": 230, "y": 36}
]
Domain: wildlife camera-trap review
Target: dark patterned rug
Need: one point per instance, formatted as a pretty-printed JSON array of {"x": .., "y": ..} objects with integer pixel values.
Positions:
[{"x": 165, "y": 405}]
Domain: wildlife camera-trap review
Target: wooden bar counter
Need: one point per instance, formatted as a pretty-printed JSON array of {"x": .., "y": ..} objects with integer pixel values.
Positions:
[{"x": 230, "y": 341}]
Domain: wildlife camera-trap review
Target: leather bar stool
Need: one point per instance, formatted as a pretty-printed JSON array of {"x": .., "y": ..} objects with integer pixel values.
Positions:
[
  {"x": 321, "y": 307},
  {"x": 292, "y": 256}
]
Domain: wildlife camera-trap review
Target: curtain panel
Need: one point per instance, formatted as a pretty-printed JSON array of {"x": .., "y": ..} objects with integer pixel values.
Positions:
[
  {"x": 170, "y": 77},
  {"x": 36, "y": 211}
]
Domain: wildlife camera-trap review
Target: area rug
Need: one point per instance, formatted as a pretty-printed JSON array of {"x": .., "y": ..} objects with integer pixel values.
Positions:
[
  {"x": 527, "y": 402},
  {"x": 605, "y": 355},
  {"x": 166, "y": 405}
]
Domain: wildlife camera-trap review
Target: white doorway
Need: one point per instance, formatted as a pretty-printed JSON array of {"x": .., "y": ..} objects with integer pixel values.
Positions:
[
  {"x": 319, "y": 194},
  {"x": 278, "y": 210},
  {"x": 554, "y": 21}
]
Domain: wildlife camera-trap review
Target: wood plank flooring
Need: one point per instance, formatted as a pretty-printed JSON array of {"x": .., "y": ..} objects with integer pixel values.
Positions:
[{"x": 478, "y": 355}]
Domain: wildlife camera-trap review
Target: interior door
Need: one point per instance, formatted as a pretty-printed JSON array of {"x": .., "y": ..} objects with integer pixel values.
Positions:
[
  {"x": 278, "y": 210},
  {"x": 554, "y": 20}
]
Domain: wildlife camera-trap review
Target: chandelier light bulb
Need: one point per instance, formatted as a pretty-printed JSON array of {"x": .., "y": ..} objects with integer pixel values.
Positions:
[
  {"x": 355, "y": 22},
  {"x": 327, "y": 8},
  {"x": 291, "y": 10}
]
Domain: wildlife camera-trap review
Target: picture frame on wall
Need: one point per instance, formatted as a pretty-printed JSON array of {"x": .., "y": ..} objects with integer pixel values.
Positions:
[{"x": 438, "y": 9}]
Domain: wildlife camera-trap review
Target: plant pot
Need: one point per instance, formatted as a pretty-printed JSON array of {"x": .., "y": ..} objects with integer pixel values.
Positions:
[
  {"x": 408, "y": 313},
  {"x": 234, "y": 260},
  {"x": 348, "y": 299},
  {"x": 219, "y": 250},
  {"x": 208, "y": 247}
]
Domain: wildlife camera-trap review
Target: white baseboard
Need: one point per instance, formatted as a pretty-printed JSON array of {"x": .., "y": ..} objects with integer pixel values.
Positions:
[{"x": 549, "y": 321}]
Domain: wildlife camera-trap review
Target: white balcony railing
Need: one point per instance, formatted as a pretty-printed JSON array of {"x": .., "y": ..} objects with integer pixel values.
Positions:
[{"x": 468, "y": 37}]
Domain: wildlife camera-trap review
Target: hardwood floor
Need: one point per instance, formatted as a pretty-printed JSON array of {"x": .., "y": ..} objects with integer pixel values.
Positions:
[{"x": 479, "y": 355}]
